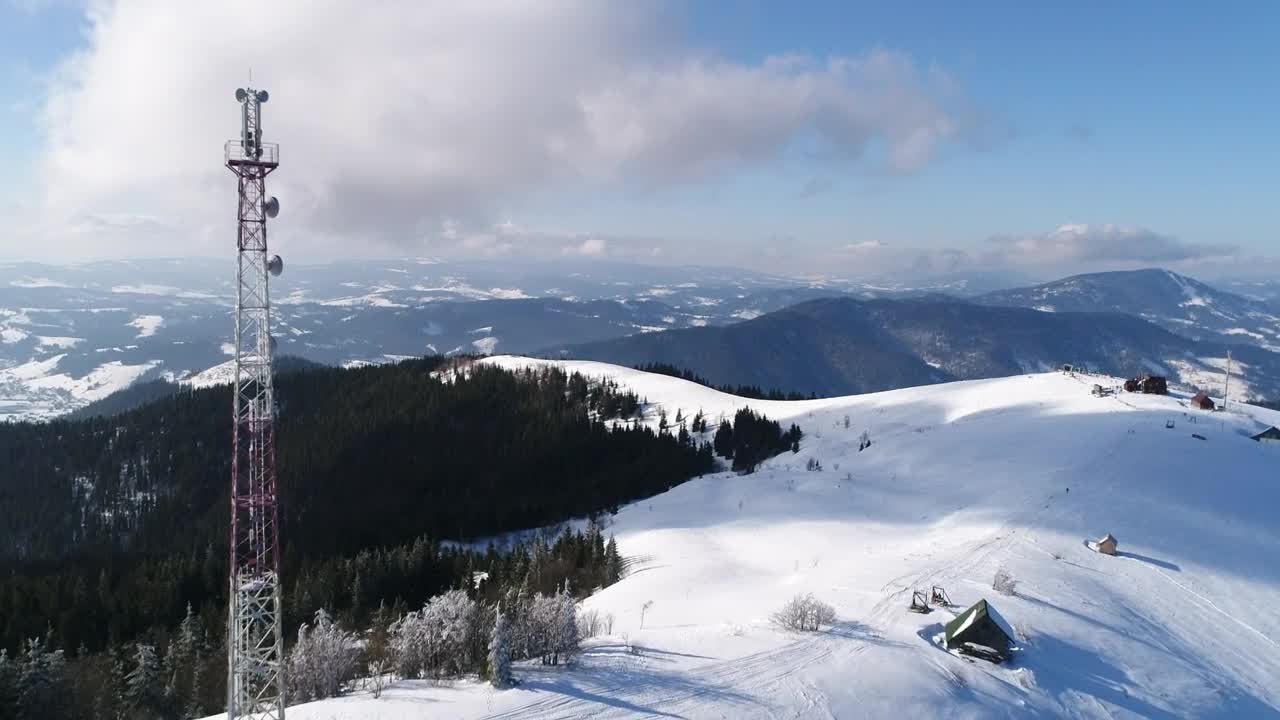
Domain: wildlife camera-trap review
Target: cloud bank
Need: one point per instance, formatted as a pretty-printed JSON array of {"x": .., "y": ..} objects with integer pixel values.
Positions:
[
  {"x": 395, "y": 117},
  {"x": 1067, "y": 249}
]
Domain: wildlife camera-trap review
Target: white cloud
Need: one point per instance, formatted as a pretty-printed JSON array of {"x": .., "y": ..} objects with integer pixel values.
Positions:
[
  {"x": 1079, "y": 243},
  {"x": 864, "y": 245},
  {"x": 396, "y": 119},
  {"x": 1068, "y": 249},
  {"x": 591, "y": 247}
]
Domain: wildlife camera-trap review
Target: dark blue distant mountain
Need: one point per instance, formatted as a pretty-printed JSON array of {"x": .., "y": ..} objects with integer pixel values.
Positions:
[
  {"x": 1178, "y": 303},
  {"x": 843, "y": 345}
]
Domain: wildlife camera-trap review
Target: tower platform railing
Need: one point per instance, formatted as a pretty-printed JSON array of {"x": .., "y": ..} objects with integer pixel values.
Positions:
[{"x": 268, "y": 154}]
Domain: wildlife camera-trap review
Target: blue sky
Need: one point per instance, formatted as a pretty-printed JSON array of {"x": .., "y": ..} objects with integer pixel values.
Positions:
[
  {"x": 1158, "y": 117},
  {"x": 1162, "y": 115}
]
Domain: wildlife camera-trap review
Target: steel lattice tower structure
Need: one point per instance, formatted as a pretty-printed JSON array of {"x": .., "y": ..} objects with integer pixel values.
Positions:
[{"x": 255, "y": 639}]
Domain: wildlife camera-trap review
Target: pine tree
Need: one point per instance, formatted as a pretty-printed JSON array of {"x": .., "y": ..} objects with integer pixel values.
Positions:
[
  {"x": 500, "y": 651},
  {"x": 180, "y": 661},
  {"x": 612, "y": 562},
  {"x": 143, "y": 685},
  {"x": 723, "y": 442},
  {"x": 193, "y": 707},
  {"x": 118, "y": 682},
  {"x": 40, "y": 689},
  {"x": 8, "y": 686}
]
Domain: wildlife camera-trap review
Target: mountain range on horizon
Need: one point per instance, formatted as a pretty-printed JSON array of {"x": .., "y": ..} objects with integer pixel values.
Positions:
[{"x": 73, "y": 335}]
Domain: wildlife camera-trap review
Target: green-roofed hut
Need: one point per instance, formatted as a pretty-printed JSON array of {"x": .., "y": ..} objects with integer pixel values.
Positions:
[{"x": 983, "y": 627}]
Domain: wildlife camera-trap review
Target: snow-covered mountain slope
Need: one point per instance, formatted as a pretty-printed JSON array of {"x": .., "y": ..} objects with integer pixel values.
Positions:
[
  {"x": 1178, "y": 303},
  {"x": 172, "y": 315},
  {"x": 960, "y": 480}
]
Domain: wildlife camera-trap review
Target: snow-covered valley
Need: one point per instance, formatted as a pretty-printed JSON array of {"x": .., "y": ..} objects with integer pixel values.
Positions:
[{"x": 961, "y": 480}]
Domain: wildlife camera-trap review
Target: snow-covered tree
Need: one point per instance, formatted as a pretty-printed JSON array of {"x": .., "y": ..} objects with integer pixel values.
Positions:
[
  {"x": 40, "y": 690},
  {"x": 500, "y": 651},
  {"x": 437, "y": 641},
  {"x": 323, "y": 659},
  {"x": 566, "y": 631},
  {"x": 379, "y": 657},
  {"x": 144, "y": 685},
  {"x": 544, "y": 613},
  {"x": 120, "y": 663},
  {"x": 8, "y": 685},
  {"x": 804, "y": 612},
  {"x": 182, "y": 661},
  {"x": 517, "y": 610},
  {"x": 452, "y": 616},
  {"x": 408, "y": 642},
  {"x": 193, "y": 708}
]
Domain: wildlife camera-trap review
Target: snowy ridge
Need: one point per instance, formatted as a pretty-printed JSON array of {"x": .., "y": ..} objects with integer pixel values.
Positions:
[
  {"x": 961, "y": 480},
  {"x": 221, "y": 374},
  {"x": 36, "y": 390}
]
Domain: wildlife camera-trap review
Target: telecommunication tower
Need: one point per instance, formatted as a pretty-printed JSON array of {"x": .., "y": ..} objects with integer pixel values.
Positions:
[{"x": 255, "y": 640}]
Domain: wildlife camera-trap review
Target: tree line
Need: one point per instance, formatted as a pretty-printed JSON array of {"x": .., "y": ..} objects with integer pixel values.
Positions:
[
  {"x": 435, "y": 621},
  {"x": 113, "y": 531},
  {"x": 752, "y": 392},
  {"x": 111, "y": 526}
]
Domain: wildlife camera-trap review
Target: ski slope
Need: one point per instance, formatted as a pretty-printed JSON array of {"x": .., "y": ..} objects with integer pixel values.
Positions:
[{"x": 960, "y": 480}]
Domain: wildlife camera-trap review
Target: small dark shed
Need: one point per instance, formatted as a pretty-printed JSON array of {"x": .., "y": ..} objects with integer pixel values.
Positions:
[
  {"x": 1202, "y": 401},
  {"x": 1155, "y": 385},
  {"x": 983, "y": 627},
  {"x": 1149, "y": 384}
]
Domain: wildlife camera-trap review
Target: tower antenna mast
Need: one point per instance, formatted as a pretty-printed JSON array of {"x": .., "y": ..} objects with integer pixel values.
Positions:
[
  {"x": 255, "y": 639},
  {"x": 1226, "y": 386}
]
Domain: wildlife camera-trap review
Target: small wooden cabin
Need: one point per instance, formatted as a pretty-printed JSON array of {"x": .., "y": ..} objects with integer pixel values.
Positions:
[
  {"x": 1202, "y": 401},
  {"x": 980, "y": 631},
  {"x": 1108, "y": 544},
  {"x": 1270, "y": 436}
]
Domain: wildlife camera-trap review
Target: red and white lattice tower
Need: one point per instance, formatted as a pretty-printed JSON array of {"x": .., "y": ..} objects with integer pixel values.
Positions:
[{"x": 255, "y": 640}]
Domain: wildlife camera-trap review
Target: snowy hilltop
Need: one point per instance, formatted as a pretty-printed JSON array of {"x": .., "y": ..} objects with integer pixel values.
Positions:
[{"x": 955, "y": 486}]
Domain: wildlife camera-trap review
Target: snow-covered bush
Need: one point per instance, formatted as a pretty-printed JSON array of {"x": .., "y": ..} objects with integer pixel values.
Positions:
[
  {"x": 804, "y": 613},
  {"x": 1004, "y": 583},
  {"x": 552, "y": 628},
  {"x": 379, "y": 656},
  {"x": 438, "y": 640},
  {"x": 322, "y": 661},
  {"x": 593, "y": 623}
]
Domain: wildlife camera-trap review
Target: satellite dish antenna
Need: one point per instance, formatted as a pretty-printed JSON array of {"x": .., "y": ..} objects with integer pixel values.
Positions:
[
  {"x": 241, "y": 94},
  {"x": 271, "y": 207},
  {"x": 275, "y": 265},
  {"x": 263, "y": 96}
]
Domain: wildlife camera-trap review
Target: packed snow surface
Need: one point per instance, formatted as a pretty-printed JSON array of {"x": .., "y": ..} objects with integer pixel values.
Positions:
[
  {"x": 960, "y": 480},
  {"x": 221, "y": 374},
  {"x": 146, "y": 324},
  {"x": 35, "y": 390}
]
